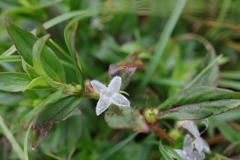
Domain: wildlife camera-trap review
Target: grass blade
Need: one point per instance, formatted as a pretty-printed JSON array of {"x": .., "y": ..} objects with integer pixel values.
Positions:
[
  {"x": 167, "y": 31},
  {"x": 26, "y": 142},
  {"x": 7, "y": 133},
  {"x": 203, "y": 71}
]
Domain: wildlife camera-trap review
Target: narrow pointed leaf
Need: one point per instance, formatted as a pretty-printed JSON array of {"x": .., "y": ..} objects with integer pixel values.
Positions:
[
  {"x": 49, "y": 61},
  {"x": 198, "y": 103},
  {"x": 39, "y": 83},
  {"x": 50, "y": 114},
  {"x": 22, "y": 39},
  {"x": 66, "y": 136},
  {"x": 38, "y": 47},
  {"x": 164, "y": 153},
  {"x": 50, "y": 99},
  {"x": 126, "y": 117},
  {"x": 72, "y": 49},
  {"x": 29, "y": 70},
  {"x": 13, "y": 82},
  {"x": 27, "y": 44}
]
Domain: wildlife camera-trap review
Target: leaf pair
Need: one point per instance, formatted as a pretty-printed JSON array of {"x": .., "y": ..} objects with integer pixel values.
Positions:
[{"x": 38, "y": 59}]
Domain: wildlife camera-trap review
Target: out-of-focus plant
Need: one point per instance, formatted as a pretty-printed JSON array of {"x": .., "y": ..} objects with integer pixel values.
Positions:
[{"x": 55, "y": 83}]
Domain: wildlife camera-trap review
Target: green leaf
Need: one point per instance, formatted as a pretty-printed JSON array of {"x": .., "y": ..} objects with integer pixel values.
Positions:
[
  {"x": 211, "y": 76},
  {"x": 125, "y": 117},
  {"x": 50, "y": 114},
  {"x": 22, "y": 39},
  {"x": 49, "y": 61},
  {"x": 50, "y": 99},
  {"x": 52, "y": 22},
  {"x": 29, "y": 46},
  {"x": 41, "y": 31},
  {"x": 198, "y": 103},
  {"x": 131, "y": 47},
  {"x": 38, "y": 47},
  {"x": 73, "y": 51},
  {"x": 110, "y": 51},
  {"x": 164, "y": 153},
  {"x": 39, "y": 83},
  {"x": 173, "y": 152},
  {"x": 66, "y": 137},
  {"x": 13, "y": 82},
  {"x": 29, "y": 70}
]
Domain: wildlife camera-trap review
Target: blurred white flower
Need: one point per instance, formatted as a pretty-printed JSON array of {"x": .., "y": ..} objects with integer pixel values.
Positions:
[
  {"x": 96, "y": 23},
  {"x": 188, "y": 153},
  {"x": 181, "y": 123},
  {"x": 199, "y": 142},
  {"x": 109, "y": 94}
]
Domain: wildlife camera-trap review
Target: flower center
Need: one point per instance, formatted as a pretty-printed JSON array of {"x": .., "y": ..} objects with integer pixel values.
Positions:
[{"x": 106, "y": 93}]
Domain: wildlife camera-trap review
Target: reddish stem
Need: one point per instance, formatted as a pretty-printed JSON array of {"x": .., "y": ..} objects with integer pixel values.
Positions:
[{"x": 161, "y": 133}]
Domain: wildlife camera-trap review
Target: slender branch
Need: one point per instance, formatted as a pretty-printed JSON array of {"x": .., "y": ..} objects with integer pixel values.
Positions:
[{"x": 161, "y": 133}]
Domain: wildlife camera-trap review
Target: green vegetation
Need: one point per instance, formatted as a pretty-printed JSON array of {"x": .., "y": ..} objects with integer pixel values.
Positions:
[{"x": 175, "y": 60}]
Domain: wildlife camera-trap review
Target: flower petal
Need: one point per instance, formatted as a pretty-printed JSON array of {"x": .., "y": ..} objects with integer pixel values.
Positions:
[
  {"x": 103, "y": 104},
  {"x": 120, "y": 100},
  {"x": 206, "y": 146},
  {"x": 199, "y": 144},
  {"x": 115, "y": 84},
  {"x": 192, "y": 128},
  {"x": 195, "y": 155},
  {"x": 98, "y": 86},
  {"x": 187, "y": 144},
  {"x": 180, "y": 152}
]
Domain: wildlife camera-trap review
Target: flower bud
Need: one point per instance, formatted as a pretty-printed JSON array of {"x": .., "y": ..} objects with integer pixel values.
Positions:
[{"x": 150, "y": 115}]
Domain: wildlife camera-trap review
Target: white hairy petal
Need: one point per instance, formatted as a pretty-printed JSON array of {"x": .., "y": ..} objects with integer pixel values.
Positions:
[
  {"x": 180, "y": 152},
  {"x": 109, "y": 94},
  {"x": 103, "y": 103},
  {"x": 192, "y": 128},
  {"x": 115, "y": 84},
  {"x": 98, "y": 86},
  {"x": 187, "y": 144},
  {"x": 195, "y": 155},
  {"x": 120, "y": 100},
  {"x": 199, "y": 144},
  {"x": 206, "y": 146}
]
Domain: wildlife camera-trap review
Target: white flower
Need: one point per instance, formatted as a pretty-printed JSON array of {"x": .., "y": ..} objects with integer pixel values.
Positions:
[
  {"x": 181, "y": 123},
  {"x": 188, "y": 153},
  {"x": 199, "y": 143},
  {"x": 109, "y": 94}
]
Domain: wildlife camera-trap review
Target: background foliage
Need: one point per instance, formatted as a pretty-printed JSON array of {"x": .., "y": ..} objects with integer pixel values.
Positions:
[{"x": 108, "y": 32}]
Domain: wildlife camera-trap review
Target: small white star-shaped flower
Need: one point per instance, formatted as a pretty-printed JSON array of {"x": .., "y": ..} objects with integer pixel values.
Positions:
[
  {"x": 199, "y": 142},
  {"x": 109, "y": 94},
  {"x": 188, "y": 153}
]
